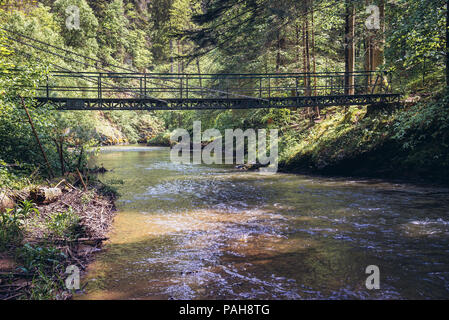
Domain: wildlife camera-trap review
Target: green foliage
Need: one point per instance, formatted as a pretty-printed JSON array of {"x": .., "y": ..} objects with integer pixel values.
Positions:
[
  {"x": 85, "y": 35},
  {"x": 414, "y": 43},
  {"x": 162, "y": 139},
  {"x": 219, "y": 36},
  {"x": 10, "y": 229},
  {"x": 424, "y": 122},
  {"x": 35, "y": 259},
  {"x": 87, "y": 197},
  {"x": 45, "y": 263},
  {"x": 44, "y": 287},
  {"x": 11, "y": 223},
  {"x": 109, "y": 191},
  {"x": 410, "y": 141},
  {"x": 13, "y": 179},
  {"x": 135, "y": 126},
  {"x": 64, "y": 225}
]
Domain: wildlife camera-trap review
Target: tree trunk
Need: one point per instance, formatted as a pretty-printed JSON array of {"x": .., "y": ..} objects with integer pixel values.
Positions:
[
  {"x": 278, "y": 52},
  {"x": 179, "y": 55},
  {"x": 314, "y": 60},
  {"x": 306, "y": 50},
  {"x": 349, "y": 48},
  {"x": 199, "y": 76},
  {"x": 298, "y": 46},
  {"x": 80, "y": 157},
  {"x": 447, "y": 45},
  {"x": 374, "y": 46},
  {"x": 50, "y": 171},
  {"x": 171, "y": 56},
  {"x": 306, "y": 56},
  {"x": 379, "y": 43},
  {"x": 59, "y": 146}
]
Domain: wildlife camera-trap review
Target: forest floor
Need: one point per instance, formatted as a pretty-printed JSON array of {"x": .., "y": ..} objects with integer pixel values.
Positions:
[{"x": 61, "y": 227}]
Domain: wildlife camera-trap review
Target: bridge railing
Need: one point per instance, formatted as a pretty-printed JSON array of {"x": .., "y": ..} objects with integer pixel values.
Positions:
[{"x": 213, "y": 86}]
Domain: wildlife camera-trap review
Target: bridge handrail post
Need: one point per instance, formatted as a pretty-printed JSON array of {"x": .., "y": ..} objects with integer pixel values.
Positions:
[
  {"x": 390, "y": 82},
  {"x": 269, "y": 87},
  {"x": 296, "y": 86},
  {"x": 141, "y": 88},
  {"x": 180, "y": 86},
  {"x": 145, "y": 84},
  {"x": 187, "y": 86},
  {"x": 332, "y": 85},
  {"x": 99, "y": 86}
]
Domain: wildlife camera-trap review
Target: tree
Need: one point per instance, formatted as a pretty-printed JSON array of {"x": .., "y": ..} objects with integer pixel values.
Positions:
[
  {"x": 114, "y": 32},
  {"x": 415, "y": 39},
  {"x": 447, "y": 45},
  {"x": 85, "y": 35},
  {"x": 349, "y": 47},
  {"x": 374, "y": 43}
]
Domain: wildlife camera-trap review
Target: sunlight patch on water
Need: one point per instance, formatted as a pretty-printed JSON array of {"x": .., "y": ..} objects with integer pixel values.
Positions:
[{"x": 426, "y": 227}]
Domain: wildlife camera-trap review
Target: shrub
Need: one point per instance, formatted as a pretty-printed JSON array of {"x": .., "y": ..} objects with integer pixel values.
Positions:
[
  {"x": 162, "y": 139},
  {"x": 65, "y": 225},
  {"x": 11, "y": 222},
  {"x": 39, "y": 259}
]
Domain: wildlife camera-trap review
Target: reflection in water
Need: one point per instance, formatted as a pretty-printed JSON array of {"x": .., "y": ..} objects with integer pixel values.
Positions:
[{"x": 211, "y": 232}]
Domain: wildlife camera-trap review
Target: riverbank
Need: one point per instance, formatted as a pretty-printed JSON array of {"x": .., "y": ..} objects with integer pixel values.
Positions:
[
  {"x": 51, "y": 228},
  {"x": 409, "y": 141}
]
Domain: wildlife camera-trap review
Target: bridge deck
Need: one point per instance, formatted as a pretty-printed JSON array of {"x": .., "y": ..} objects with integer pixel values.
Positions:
[
  {"x": 142, "y": 91},
  {"x": 214, "y": 103}
]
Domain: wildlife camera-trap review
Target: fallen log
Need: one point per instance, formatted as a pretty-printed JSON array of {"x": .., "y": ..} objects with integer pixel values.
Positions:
[
  {"x": 59, "y": 240},
  {"x": 45, "y": 195},
  {"x": 16, "y": 274}
]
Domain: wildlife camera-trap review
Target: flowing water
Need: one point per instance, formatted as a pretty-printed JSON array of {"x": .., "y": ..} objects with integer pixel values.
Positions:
[{"x": 214, "y": 232}]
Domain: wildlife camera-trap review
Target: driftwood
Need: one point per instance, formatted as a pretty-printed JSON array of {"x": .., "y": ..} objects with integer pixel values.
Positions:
[
  {"x": 66, "y": 183},
  {"x": 60, "y": 240},
  {"x": 46, "y": 195},
  {"x": 17, "y": 274},
  {"x": 81, "y": 178},
  {"x": 6, "y": 202}
]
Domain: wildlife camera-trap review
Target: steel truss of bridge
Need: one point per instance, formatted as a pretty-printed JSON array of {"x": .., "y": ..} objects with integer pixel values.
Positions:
[
  {"x": 214, "y": 103},
  {"x": 67, "y": 90}
]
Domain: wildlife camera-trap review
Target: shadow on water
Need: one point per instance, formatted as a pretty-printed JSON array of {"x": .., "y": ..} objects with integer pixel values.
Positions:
[{"x": 204, "y": 232}]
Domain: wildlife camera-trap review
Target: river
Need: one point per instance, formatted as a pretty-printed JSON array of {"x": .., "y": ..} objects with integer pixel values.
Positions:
[{"x": 215, "y": 232}]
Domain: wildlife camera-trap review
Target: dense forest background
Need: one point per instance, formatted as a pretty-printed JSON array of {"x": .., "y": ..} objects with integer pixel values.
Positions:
[{"x": 226, "y": 36}]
